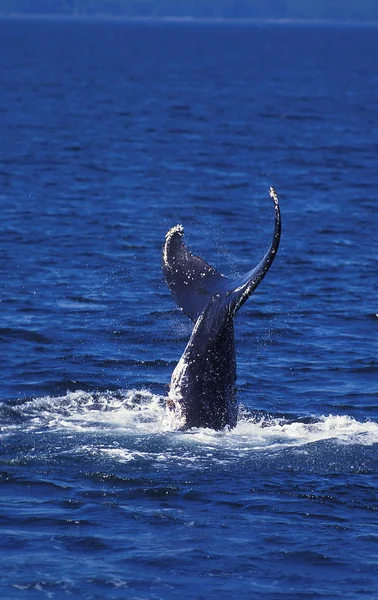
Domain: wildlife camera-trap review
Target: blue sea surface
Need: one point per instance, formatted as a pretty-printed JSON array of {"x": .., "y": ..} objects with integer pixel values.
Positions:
[{"x": 111, "y": 133}]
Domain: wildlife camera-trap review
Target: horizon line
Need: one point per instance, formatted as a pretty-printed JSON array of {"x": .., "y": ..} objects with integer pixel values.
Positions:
[{"x": 186, "y": 19}]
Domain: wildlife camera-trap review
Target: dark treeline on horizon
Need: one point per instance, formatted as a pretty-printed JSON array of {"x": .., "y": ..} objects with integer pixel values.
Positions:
[{"x": 211, "y": 9}]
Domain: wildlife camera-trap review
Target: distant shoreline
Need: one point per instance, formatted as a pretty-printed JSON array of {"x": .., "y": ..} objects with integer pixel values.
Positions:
[{"x": 173, "y": 19}]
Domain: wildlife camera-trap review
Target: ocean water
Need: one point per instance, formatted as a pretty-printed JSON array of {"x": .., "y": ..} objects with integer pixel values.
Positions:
[{"x": 111, "y": 133}]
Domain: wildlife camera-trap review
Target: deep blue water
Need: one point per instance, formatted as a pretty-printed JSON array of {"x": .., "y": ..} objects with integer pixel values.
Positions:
[{"x": 111, "y": 133}]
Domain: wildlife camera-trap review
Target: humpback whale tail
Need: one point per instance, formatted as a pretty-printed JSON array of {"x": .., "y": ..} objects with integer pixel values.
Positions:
[
  {"x": 202, "y": 392},
  {"x": 194, "y": 283}
]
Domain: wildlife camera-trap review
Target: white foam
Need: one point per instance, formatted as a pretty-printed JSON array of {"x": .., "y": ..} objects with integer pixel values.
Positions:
[
  {"x": 276, "y": 433},
  {"x": 132, "y": 410},
  {"x": 140, "y": 413}
]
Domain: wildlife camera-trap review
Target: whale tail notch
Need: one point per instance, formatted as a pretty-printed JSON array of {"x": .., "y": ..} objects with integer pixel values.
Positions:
[{"x": 194, "y": 283}]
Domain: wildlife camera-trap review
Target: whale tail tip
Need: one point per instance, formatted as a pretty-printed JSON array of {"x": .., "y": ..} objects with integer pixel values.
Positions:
[{"x": 273, "y": 194}]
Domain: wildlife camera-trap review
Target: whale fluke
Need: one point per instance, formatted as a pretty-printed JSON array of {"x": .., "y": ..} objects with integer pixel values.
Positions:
[
  {"x": 241, "y": 288},
  {"x": 202, "y": 391},
  {"x": 191, "y": 280}
]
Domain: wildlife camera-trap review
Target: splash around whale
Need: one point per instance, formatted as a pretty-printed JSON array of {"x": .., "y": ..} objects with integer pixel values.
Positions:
[{"x": 203, "y": 385}]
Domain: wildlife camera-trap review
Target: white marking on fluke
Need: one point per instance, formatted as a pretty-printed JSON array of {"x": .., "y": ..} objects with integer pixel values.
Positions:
[{"x": 169, "y": 235}]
